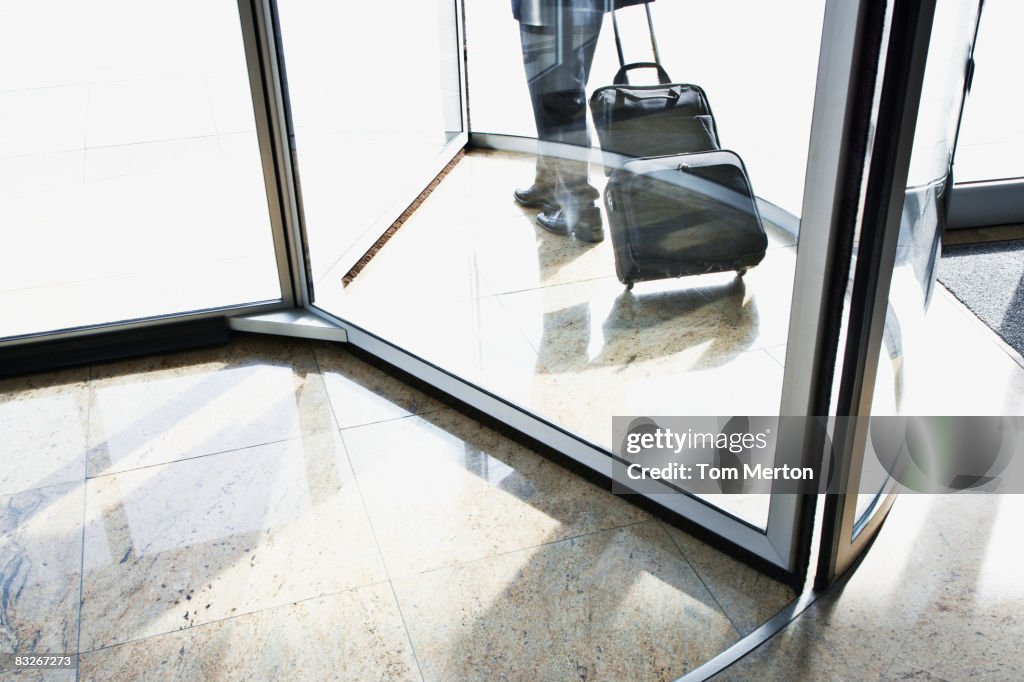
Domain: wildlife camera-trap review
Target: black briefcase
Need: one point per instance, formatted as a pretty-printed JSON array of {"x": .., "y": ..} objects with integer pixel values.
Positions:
[
  {"x": 636, "y": 121},
  {"x": 650, "y": 120},
  {"x": 684, "y": 214}
]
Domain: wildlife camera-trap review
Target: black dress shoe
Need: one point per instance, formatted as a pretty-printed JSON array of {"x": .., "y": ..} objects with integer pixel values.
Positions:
[
  {"x": 554, "y": 222},
  {"x": 536, "y": 196},
  {"x": 587, "y": 228}
]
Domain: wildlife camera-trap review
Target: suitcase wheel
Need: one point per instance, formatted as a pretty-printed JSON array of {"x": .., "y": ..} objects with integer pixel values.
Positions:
[
  {"x": 741, "y": 271},
  {"x": 629, "y": 286}
]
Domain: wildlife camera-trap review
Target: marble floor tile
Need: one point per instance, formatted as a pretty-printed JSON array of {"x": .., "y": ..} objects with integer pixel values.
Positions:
[
  {"x": 361, "y": 393},
  {"x": 480, "y": 188},
  {"x": 973, "y": 626},
  {"x": 614, "y": 605},
  {"x": 354, "y": 635},
  {"x": 422, "y": 264},
  {"x": 172, "y": 407},
  {"x": 901, "y": 670},
  {"x": 40, "y": 676},
  {"x": 442, "y": 489},
  {"x": 598, "y": 323},
  {"x": 915, "y": 606},
  {"x": 474, "y": 339},
  {"x": 748, "y": 597},
  {"x": 900, "y": 576},
  {"x": 584, "y": 401},
  {"x": 347, "y": 210},
  {"x": 178, "y": 545},
  {"x": 762, "y": 305},
  {"x": 778, "y": 353},
  {"x": 803, "y": 652},
  {"x": 44, "y": 422},
  {"x": 32, "y": 176},
  {"x": 147, "y": 110},
  {"x": 102, "y": 163},
  {"x": 231, "y": 101},
  {"x": 984, "y": 380},
  {"x": 40, "y": 569},
  {"x": 42, "y": 120},
  {"x": 515, "y": 254}
]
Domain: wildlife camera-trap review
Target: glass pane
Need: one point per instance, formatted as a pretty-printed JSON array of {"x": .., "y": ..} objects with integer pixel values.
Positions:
[
  {"x": 991, "y": 145},
  {"x": 374, "y": 92},
  {"x": 906, "y": 378},
  {"x": 475, "y": 284},
  {"x": 130, "y": 176}
]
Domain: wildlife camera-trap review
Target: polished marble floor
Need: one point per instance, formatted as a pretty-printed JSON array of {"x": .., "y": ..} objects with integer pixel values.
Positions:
[
  {"x": 279, "y": 509},
  {"x": 542, "y": 321},
  {"x": 938, "y": 598}
]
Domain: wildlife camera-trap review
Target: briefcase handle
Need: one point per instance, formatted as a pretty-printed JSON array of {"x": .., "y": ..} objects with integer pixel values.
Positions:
[
  {"x": 650, "y": 28},
  {"x": 622, "y": 75}
]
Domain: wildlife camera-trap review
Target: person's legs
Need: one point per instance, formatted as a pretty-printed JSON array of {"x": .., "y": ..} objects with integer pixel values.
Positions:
[
  {"x": 557, "y": 67},
  {"x": 539, "y": 61},
  {"x": 574, "y": 194}
]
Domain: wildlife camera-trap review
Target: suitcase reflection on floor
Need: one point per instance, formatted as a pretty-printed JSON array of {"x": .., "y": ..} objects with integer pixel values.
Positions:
[{"x": 643, "y": 327}]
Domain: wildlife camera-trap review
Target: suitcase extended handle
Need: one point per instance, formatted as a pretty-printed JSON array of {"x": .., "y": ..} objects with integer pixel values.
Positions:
[
  {"x": 622, "y": 77},
  {"x": 650, "y": 28}
]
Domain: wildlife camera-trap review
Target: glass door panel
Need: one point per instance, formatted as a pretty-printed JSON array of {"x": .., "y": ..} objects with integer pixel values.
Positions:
[
  {"x": 907, "y": 381},
  {"x": 991, "y": 142},
  {"x": 131, "y": 183},
  {"x": 473, "y": 285},
  {"x": 786, "y": 40},
  {"x": 375, "y": 112},
  {"x": 889, "y": 373}
]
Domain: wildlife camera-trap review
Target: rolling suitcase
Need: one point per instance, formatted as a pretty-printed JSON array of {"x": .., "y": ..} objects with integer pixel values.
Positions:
[
  {"x": 683, "y": 214},
  {"x": 637, "y": 121}
]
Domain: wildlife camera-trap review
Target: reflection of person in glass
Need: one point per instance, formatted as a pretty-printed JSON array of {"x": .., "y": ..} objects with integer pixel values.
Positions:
[{"x": 558, "y": 41}]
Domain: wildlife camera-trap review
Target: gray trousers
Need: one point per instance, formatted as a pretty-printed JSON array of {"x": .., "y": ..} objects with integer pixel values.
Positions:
[{"x": 557, "y": 60}]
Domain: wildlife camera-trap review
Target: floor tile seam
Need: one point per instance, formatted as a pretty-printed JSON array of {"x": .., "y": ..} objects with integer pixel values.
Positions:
[
  {"x": 782, "y": 365},
  {"x": 459, "y": 564},
  {"x": 380, "y": 555},
  {"x": 91, "y": 82},
  {"x": 213, "y": 112},
  {"x": 235, "y": 616},
  {"x": 735, "y": 626},
  {"x": 584, "y": 280},
  {"x": 54, "y": 152},
  {"x": 160, "y": 140},
  {"x": 234, "y": 258},
  {"x": 85, "y": 499},
  {"x": 23, "y": 491},
  {"x": 914, "y": 664},
  {"x": 433, "y": 410},
  {"x": 109, "y": 278},
  {"x": 313, "y": 434},
  {"x": 58, "y": 86},
  {"x": 514, "y": 319},
  {"x": 341, "y": 429},
  {"x": 310, "y": 348}
]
